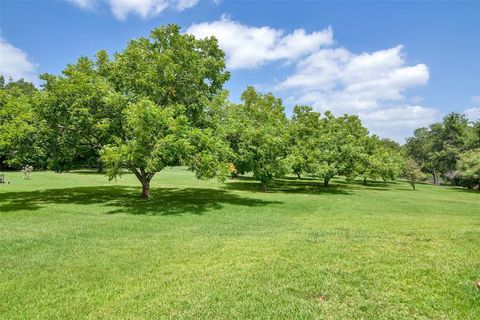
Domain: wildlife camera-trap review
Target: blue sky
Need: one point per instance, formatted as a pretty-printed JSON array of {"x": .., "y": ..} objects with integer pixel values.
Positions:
[{"x": 398, "y": 65}]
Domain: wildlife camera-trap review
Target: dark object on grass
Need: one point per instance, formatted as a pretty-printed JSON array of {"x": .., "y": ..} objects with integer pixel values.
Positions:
[{"x": 2, "y": 178}]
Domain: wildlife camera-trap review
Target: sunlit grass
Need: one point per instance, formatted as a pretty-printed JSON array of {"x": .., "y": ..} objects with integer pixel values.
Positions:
[{"x": 78, "y": 246}]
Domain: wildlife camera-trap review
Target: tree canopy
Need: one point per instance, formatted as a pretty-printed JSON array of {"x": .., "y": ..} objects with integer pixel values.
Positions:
[
  {"x": 160, "y": 102},
  {"x": 256, "y": 130}
]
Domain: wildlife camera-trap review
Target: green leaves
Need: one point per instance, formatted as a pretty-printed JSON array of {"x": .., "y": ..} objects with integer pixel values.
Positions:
[
  {"x": 153, "y": 138},
  {"x": 382, "y": 159},
  {"x": 257, "y": 133},
  {"x": 469, "y": 168},
  {"x": 78, "y": 115},
  {"x": 437, "y": 148},
  {"x": 171, "y": 68},
  {"x": 140, "y": 110},
  {"x": 20, "y": 129},
  {"x": 325, "y": 146},
  {"x": 412, "y": 172}
]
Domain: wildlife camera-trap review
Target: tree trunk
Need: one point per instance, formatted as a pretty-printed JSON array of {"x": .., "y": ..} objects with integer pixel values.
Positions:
[
  {"x": 326, "y": 180},
  {"x": 100, "y": 167},
  {"x": 365, "y": 181},
  {"x": 144, "y": 179},
  {"x": 412, "y": 182},
  {"x": 263, "y": 187},
  {"x": 146, "y": 189},
  {"x": 298, "y": 175}
]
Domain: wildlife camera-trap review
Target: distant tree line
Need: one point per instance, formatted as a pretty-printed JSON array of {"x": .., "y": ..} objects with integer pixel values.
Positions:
[
  {"x": 160, "y": 102},
  {"x": 448, "y": 151}
]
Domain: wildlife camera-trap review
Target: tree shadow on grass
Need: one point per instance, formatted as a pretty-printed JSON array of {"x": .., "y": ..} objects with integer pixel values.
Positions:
[
  {"x": 371, "y": 185},
  {"x": 122, "y": 199},
  {"x": 465, "y": 189},
  {"x": 286, "y": 185}
]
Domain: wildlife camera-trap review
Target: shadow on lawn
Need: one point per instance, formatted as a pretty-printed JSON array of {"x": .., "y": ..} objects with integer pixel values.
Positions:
[
  {"x": 122, "y": 199},
  {"x": 371, "y": 185},
  {"x": 286, "y": 185}
]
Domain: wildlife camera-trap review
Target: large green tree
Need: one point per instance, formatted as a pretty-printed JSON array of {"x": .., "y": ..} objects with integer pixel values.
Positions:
[
  {"x": 163, "y": 85},
  {"x": 468, "y": 168},
  {"x": 142, "y": 109},
  {"x": 436, "y": 148},
  {"x": 304, "y": 129},
  {"x": 256, "y": 131},
  {"x": 78, "y": 113},
  {"x": 383, "y": 159},
  {"x": 339, "y": 147},
  {"x": 20, "y": 128},
  {"x": 325, "y": 146}
]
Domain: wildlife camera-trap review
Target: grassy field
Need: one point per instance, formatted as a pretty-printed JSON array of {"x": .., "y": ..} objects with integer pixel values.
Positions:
[{"x": 78, "y": 246}]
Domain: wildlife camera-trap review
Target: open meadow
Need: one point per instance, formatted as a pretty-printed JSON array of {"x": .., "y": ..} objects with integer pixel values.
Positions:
[{"x": 76, "y": 245}]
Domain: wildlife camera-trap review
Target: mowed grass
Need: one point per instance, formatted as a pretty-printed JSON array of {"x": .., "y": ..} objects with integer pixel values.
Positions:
[{"x": 76, "y": 246}]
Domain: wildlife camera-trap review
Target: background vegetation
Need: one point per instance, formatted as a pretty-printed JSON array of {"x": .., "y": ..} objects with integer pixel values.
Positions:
[{"x": 160, "y": 103}]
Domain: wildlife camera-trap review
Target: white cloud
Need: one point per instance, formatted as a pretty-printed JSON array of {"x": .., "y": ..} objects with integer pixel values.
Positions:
[
  {"x": 250, "y": 47},
  {"x": 185, "y": 4},
  {"x": 143, "y": 8},
  {"x": 399, "y": 121},
  {"x": 473, "y": 114},
  {"x": 339, "y": 80},
  {"x": 370, "y": 84},
  {"x": 15, "y": 63},
  {"x": 416, "y": 99}
]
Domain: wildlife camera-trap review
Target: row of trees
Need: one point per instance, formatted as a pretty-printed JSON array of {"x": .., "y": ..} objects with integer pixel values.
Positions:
[
  {"x": 263, "y": 141},
  {"x": 161, "y": 102},
  {"x": 448, "y": 151},
  {"x": 143, "y": 110}
]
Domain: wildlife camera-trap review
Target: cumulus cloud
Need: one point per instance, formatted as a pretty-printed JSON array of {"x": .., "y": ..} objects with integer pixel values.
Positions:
[
  {"x": 340, "y": 80},
  {"x": 370, "y": 84},
  {"x": 399, "y": 121},
  {"x": 15, "y": 63},
  {"x": 250, "y": 47},
  {"x": 143, "y": 8},
  {"x": 185, "y": 4}
]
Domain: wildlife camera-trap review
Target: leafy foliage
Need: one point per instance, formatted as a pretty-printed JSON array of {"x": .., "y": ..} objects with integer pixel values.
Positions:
[
  {"x": 412, "y": 172},
  {"x": 20, "y": 130},
  {"x": 469, "y": 168},
  {"x": 163, "y": 85},
  {"x": 78, "y": 115},
  {"x": 325, "y": 146},
  {"x": 438, "y": 147},
  {"x": 257, "y": 134},
  {"x": 383, "y": 159}
]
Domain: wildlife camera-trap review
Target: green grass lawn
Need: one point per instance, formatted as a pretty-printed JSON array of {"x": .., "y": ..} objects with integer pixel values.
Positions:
[{"x": 78, "y": 246}]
